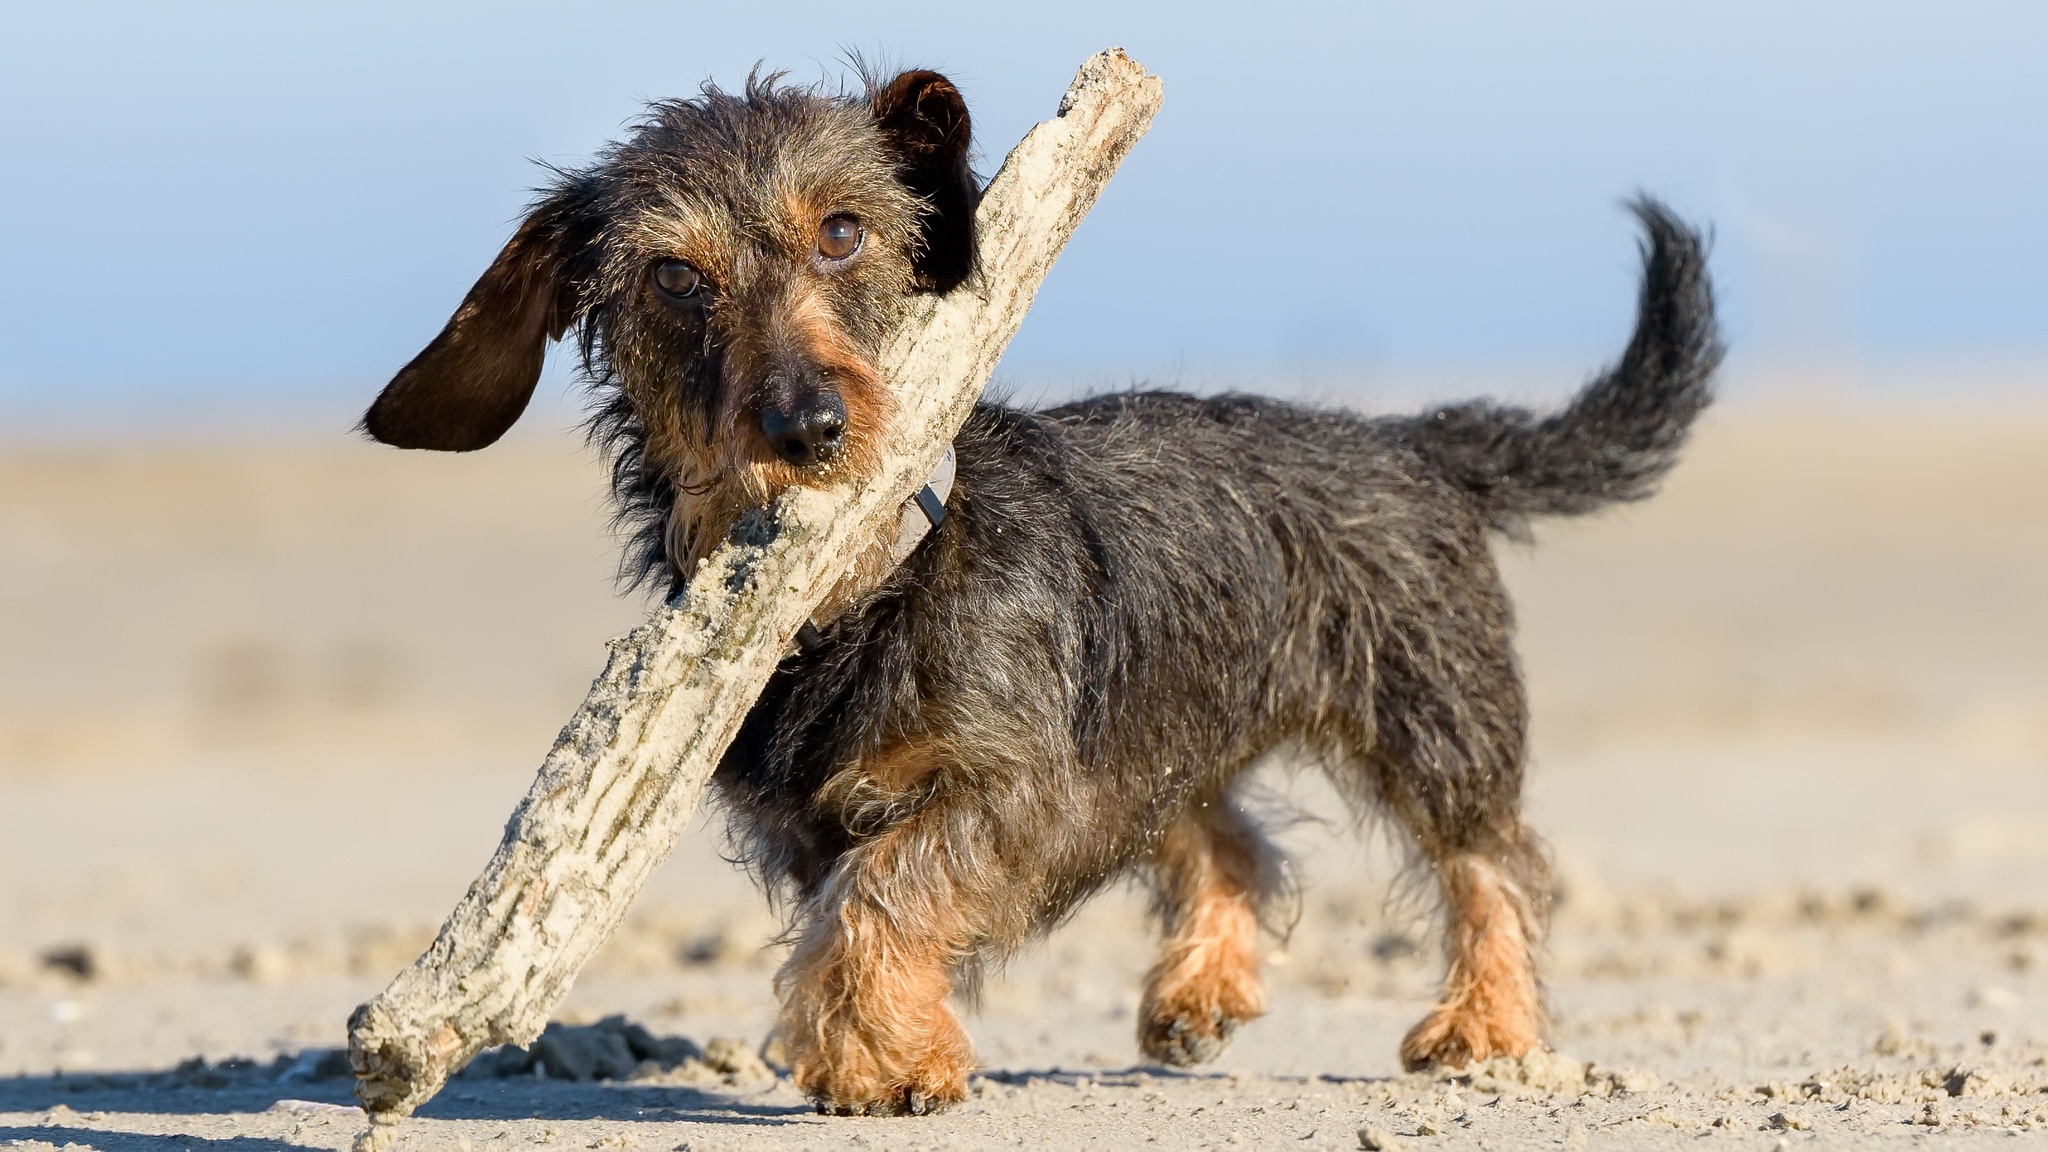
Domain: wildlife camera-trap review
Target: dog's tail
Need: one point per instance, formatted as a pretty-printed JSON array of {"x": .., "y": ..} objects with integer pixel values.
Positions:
[{"x": 1618, "y": 437}]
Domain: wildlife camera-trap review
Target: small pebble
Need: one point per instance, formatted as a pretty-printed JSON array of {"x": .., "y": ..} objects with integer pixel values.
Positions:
[{"x": 1380, "y": 1140}]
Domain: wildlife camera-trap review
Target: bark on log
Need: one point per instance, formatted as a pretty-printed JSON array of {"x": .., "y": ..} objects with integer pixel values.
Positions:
[{"x": 626, "y": 774}]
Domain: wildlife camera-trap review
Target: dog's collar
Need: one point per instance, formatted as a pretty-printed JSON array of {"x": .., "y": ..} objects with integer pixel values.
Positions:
[{"x": 923, "y": 512}]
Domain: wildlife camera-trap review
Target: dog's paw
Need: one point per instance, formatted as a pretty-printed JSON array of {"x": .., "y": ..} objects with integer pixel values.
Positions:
[
  {"x": 1183, "y": 1041},
  {"x": 867, "y": 1079},
  {"x": 930, "y": 1089},
  {"x": 1190, "y": 1010},
  {"x": 1455, "y": 1035},
  {"x": 896, "y": 1102},
  {"x": 1436, "y": 1042}
]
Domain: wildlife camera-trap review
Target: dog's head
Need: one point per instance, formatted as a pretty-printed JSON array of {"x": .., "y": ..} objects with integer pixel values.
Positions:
[{"x": 733, "y": 266}]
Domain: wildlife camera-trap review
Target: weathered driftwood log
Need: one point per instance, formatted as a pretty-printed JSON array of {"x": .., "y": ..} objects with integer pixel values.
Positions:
[{"x": 627, "y": 771}]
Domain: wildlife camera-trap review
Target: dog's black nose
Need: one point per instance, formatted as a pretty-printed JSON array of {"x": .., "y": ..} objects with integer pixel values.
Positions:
[{"x": 808, "y": 435}]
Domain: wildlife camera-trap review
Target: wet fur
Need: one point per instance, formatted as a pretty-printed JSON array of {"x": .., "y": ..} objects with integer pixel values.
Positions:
[{"x": 1135, "y": 597}]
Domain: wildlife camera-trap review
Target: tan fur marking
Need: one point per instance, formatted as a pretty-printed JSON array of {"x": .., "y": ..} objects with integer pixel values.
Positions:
[
  {"x": 870, "y": 409},
  {"x": 686, "y": 229},
  {"x": 1490, "y": 1005},
  {"x": 864, "y": 1011},
  {"x": 868, "y": 795},
  {"x": 901, "y": 767},
  {"x": 1206, "y": 981},
  {"x": 799, "y": 229}
]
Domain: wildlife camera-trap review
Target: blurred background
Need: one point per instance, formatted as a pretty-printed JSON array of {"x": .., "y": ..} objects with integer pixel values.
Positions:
[
  {"x": 264, "y": 685},
  {"x": 244, "y": 213}
]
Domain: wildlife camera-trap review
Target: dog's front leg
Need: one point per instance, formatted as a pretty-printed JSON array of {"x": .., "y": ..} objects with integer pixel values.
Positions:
[{"x": 864, "y": 1014}]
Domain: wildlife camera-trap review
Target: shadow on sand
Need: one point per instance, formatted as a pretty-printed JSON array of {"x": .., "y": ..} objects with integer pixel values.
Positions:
[{"x": 320, "y": 1077}]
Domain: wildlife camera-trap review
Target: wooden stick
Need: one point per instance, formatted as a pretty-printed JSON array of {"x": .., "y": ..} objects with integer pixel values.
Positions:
[{"x": 626, "y": 774}]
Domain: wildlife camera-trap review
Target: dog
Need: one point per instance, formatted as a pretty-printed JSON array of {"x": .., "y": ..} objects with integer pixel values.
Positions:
[{"x": 1129, "y": 601}]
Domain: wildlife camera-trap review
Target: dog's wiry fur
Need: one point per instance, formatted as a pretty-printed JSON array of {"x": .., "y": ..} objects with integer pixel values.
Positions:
[{"x": 1135, "y": 597}]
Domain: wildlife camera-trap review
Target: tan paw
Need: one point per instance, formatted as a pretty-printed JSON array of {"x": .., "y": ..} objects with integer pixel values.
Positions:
[
  {"x": 1457, "y": 1034},
  {"x": 848, "y": 1071},
  {"x": 1185, "y": 1041},
  {"x": 932, "y": 1086},
  {"x": 1190, "y": 1021}
]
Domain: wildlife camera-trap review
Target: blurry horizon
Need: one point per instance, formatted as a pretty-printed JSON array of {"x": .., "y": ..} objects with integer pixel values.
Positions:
[{"x": 240, "y": 213}]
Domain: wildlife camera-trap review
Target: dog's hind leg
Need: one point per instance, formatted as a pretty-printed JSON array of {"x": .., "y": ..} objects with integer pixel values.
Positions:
[
  {"x": 1447, "y": 764},
  {"x": 1209, "y": 871},
  {"x": 1491, "y": 1005}
]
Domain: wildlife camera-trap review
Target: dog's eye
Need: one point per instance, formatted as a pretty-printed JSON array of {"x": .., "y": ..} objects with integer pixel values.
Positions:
[
  {"x": 838, "y": 237},
  {"x": 676, "y": 278}
]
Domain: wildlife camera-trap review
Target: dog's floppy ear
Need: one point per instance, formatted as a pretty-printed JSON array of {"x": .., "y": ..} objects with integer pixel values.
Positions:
[
  {"x": 925, "y": 121},
  {"x": 467, "y": 387}
]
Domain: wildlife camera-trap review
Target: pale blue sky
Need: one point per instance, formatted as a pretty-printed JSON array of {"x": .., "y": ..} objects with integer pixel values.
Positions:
[{"x": 274, "y": 206}]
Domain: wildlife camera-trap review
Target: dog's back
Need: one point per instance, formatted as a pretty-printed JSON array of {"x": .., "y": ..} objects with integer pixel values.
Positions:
[{"x": 1139, "y": 594}]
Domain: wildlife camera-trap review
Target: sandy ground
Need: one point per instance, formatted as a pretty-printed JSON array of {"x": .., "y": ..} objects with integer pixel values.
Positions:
[{"x": 263, "y": 711}]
